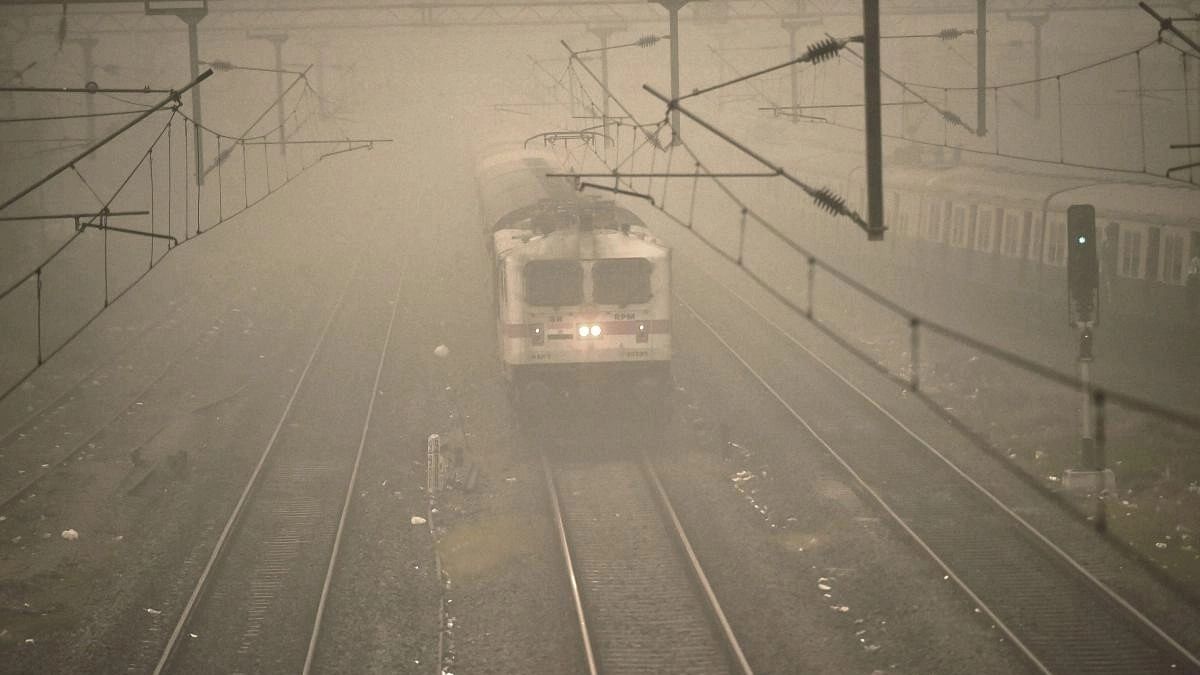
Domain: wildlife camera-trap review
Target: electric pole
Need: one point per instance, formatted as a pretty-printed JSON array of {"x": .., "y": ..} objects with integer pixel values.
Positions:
[
  {"x": 191, "y": 14},
  {"x": 277, "y": 40},
  {"x": 873, "y": 121},
  {"x": 673, "y": 7}
]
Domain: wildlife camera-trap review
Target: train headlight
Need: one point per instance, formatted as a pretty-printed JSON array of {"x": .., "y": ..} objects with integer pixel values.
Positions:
[
  {"x": 583, "y": 331},
  {"x": 595, "y": 330},
  {"x": 643, "y": 334},
  {"x": 537, "y": 334}
]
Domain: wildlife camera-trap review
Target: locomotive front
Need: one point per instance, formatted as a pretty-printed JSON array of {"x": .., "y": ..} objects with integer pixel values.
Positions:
[{"x": 582, "y": 291}]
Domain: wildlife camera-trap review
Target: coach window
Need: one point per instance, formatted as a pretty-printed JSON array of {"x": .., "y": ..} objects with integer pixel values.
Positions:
[
  {"x": 553, "y": 283},
  {"x": 958, "y": 227},
  {"x": 1035, "y": 236},
  {"x": 983, "y": 229},
  {"x": 1172, "y": 256},
  {"x": 933, "y": 230},
  {"x": 1131, "y": 252},
  {"x": 1010, "y": 239},
  {"x": 1056, "y": 240},
  {"x": 624, "y": 281}
]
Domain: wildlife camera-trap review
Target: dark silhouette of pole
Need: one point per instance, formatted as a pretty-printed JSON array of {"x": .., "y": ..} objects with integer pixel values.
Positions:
[
  {"x": 873, "y": 122},
  {"x": 792, "y": 25},
  {"x": 603, "y": 32},
  {"x": 277, "y": 40},
  {"x": 981, "y": 67},
  {"x": 192, "y": 16},
  {"x": 192, "y": 22},
  {"x": 1037, "y": 21},
  {"x": 87, "y": 47},
  {"x": 673, "y": 7}
]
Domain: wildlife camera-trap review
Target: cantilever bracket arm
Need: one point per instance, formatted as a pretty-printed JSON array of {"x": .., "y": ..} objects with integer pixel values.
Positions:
[
  {"x": 663, "y": 174},
  {"x": 103, "y": 215},
  {"x": 1182, "y": 167},
  {"x": 616, "y": 190},
  {"x": 1166, "y": 23},
  {"x": 551, "y": 137}
]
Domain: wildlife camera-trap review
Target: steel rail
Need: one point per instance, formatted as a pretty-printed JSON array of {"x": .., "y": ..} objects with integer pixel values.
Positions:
[
  {"x": 79, "y": 447},
  {"x": 350, "y": 488},
  {"x": 170, "y": 649},
  {"x": 711, "y": 603},
  {"x": 1105, "y": 590},
  {"x": 1004, "y": 628},
  {"x": 576, "y": 597}
]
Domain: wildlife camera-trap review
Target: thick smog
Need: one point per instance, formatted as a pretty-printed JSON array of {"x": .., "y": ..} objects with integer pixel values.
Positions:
[{"x": 599, "y": 336}]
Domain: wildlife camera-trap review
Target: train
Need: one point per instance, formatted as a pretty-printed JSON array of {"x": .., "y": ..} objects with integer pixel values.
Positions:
[
  {"x": 998, "y": 227},
  {"x": 1014, "y": 225},
  {"x": 581, "y": 287}
]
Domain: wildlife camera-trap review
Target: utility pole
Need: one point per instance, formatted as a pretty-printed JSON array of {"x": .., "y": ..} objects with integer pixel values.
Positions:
[
  {"x": 603, "y": 32},
  {"x": 981, "y": 67},
  {"x": 277, "y": 40},
  {"x": 87, "y": 46},
  {"x": 873, "y": 122},
  {"x": 191, "y": 14},
  {"x": 791, "y": 25},
  {"x": 1037, "y": 21},
  {"x": 673, "y": 7},
  {"x": 321, "y": 105}
]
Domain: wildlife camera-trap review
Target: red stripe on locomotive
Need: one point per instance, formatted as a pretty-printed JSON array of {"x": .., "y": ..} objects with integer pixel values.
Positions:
[{"x": 653, "y": 326}]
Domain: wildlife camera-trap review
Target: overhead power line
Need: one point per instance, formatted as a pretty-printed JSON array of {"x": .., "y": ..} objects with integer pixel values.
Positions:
[
  {"x": 816, "y": 53},
  {"x": 173, "y": 98}
]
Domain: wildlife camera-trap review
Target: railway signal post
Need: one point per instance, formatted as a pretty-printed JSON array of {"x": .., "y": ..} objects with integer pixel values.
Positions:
[{"x": 1083, "y": 307}]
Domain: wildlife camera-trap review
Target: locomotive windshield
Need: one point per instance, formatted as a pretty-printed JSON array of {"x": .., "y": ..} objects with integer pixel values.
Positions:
[
  {"x": 623, "y": 281},
  {"x": 554, "y": 283}
]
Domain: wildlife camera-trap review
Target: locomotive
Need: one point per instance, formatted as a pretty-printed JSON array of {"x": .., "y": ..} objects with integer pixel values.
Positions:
[{"x": 582, "y": 290}]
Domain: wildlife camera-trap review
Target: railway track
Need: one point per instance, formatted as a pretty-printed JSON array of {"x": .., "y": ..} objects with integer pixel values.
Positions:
[
  {"x": 259, "y": 602},
  {"x": 1056, "y": 606},
  {"x": 642, "y": 601},
  {"x": 21, "y": 484}
]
